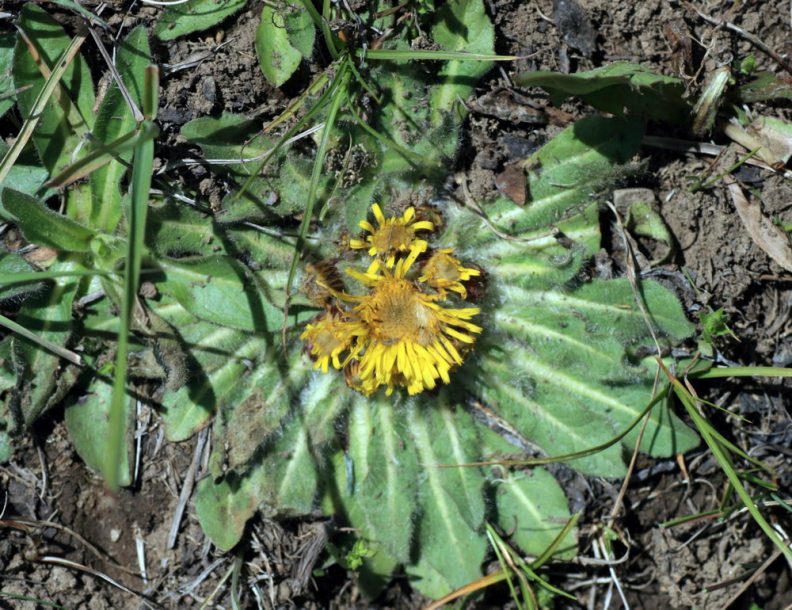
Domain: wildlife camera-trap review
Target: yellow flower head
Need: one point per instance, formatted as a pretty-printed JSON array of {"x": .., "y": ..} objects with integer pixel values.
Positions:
[
  {"x": 411, "y": 337},
  {"x": 329, "y": 337},
  {"x": 445, "y": 272},
  {"x": 392, "y": 235},
  {"x": 402, "y": 332}
]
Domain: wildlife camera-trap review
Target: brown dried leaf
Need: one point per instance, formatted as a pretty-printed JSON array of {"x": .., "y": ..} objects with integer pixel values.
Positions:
[
  {"x": 511, "y": 183},
  {"x": 770, "y": 238}
]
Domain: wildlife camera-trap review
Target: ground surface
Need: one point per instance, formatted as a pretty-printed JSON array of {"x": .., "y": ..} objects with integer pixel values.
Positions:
[{"x": 699, "y": 564}]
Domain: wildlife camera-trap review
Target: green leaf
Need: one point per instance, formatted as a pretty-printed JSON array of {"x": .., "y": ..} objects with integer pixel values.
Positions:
[
  {"x": 87, "y": 420},
  {"x": 7, "y": 95},
  {"x": 560, "y": 374},
  {"x": 178, "y": 230},
  {"x": 26, "y": 176},
  {"x": 266, "y": 250},
  {"x": 194, "y": 16},
  {"x": 114, "y": 119},
  {"x": 451, "y": 546},
  {"x": 415, "y": 152},
  {"x": 6, "y": 447},
  {"x": 291, "y": 470},
  {"x": 219, "y": 289},
  {"x": 224, "y": 507},
  {"x": 237, "y": 147},
  {"x": 8, "y": 377},
  {"x": 70, "y": 111},
  {"x": 212, "y": 370},
  {"x": 240, "y": 376},
  {"x": 285, "y": 480},
  {"x": 417, "y": 125},
  {"x": 544, "y": 243},
  {"x": 43, "y": 226},
  {"x": 217, "y": 365},
  {"x": 766, "y": 86},
  {"x": 532, "y": 507},
  {"x": 461, "y": 25},
  {"x": 284, "y": 36},
  {"x": 561, "y": 365},
  {"x": 643, "y": 220},
  {"x": 617, "y": 88},
  {"x": 98, "y": 159},
  {"x": 376, "y": 479},
  {"x": 43, "y": 379},
  {"x": 11, "y": 263}
]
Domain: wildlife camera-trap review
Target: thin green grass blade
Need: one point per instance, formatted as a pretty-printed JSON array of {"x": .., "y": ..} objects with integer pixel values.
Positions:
[
  {"x": 411, "y": 55},
  {"x": 36, "y": 600},
  {"x": 553, "y": 546},
  {"x": 495, "y": 543},
  {"x": 142, "y": 169},
  {"x": 101, "y": 156},
  {"x": 340, "y": 92},
  {"x": 744, "y": 371},
  {"x": 724, "y": 461}
]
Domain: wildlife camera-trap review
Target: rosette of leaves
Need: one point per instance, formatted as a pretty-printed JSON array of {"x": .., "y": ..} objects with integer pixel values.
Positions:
[{"x": 559, "y": 366}]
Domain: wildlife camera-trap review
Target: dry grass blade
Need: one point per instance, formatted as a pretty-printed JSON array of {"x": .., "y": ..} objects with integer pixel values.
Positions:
[
  {"x": 187, "y": 487},
  {"x": 72, "y": 113},
  {"x": 472, "y": 587},
  {"x": 65, "y": 563},
  {"x": 44, "y": 343},
  {"x": 29, "y": 526},
  {"x": 136, "y": 113}
]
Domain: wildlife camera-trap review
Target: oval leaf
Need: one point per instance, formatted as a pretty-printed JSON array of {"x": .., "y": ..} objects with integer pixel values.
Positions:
[
  {"x": 218, "y": 289},
  {"x": 43, "y": 226},
  {"x": 283, "y": 38},
  {"x": 179, "y": 19}
]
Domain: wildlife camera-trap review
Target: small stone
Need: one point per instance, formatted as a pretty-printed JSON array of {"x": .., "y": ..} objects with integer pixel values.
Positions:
[{"x": 115, "y": 535}]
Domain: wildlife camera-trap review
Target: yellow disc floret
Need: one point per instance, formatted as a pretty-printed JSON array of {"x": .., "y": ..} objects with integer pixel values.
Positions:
[{"x": 392, "y": 235}]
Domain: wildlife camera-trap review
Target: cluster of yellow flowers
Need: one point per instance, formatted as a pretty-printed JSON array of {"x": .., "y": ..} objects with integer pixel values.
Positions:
[{"x": 399, "y": 333}]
